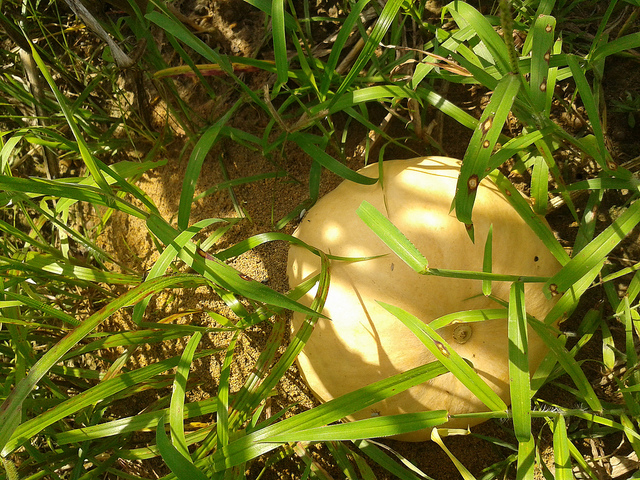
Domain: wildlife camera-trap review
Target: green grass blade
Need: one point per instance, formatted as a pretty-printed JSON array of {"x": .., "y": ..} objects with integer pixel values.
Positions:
[
  {"x": 383, "y": 426},
  {"x": 164, "y": 261},
  {"x": 478, "y": 152},
  {"x": 387, "y": 16},
  {"x": 220, "y": 273},
  {"x": 386, "y": 462},
  {"x": 85, "y": 153},
  {"x": 447, "y": 107},
  {"x": 132, "y": 424},
  {"x": 309, "y": 143},
  {"x": 258, "y": 393},
  {"x": 535, "y": 222},
  {"x": 182, "y": 467},
  {"x": 519, "y": 364},
  {"x": 403, "y": 247},
  {"x": 568, "y": 363},
  {"x": 590, "y": 105},
  {"x": 541, "y": 91},
  {"x": 176, "y": 408},
  {"x": 62, "y": 189},
  {"x": 279, "y": 40},
  {"x": 222, "y": 423},
  {"x": 92, "y": 396},
  {"x": 526, "y": 459},
  {"x": 595, "y": 252},
  {"x": 200, "y": 151},
  {"x": 469, "y": 316},
  {"x": 338, "y": 46},
  {"x": 582, "y": 462},
  {"x": 540, "y": 185},
  {"x": 464, "y": 472},
  {"x": 495, "y": 49},
  {"x": 587, "y": 228},
  {"x": 250, "y": 446},
  {"x": 42, "y": 307},
  {"x": 392, "y": 237},
  {"x": 449, "y": 358},
  {"x": 562, "y": 457},
  {"x": 616, "y": 46},
  {"x": 15, "y": 399}
]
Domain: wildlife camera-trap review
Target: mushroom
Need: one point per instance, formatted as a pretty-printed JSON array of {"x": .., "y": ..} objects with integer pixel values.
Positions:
[{"x": 361, "y": 342}]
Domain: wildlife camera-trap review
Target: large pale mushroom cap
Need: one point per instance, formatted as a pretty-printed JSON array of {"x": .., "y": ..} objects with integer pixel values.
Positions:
[{"x": 363, "y": 343}]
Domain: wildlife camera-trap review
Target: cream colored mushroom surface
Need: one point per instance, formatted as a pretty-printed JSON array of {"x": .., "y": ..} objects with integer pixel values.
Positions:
[{"x": 363, "y": 343}]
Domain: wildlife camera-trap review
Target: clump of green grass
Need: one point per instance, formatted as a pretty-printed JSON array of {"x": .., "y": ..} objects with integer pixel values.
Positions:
[{"x": 48, "y": 429}]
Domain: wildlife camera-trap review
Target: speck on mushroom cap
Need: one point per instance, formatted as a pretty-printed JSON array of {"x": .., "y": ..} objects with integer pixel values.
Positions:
[{"x": 363, "y": 343}]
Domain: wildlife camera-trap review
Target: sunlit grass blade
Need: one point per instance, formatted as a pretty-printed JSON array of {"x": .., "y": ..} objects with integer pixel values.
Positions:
[
  {"x": 251, "y": 446},
  {"x": 469, "y": 316},
  {"x": 582, "y": 462},
  {"x": 478, "y": 152},
  {"x": 133, "y": 338},
  {"x": 535, "y": 222},
  {"x": 251, "y": 397},
  {"x": 628, "y": 321},
  {"x": 562, "y": 457},
  {"x": 45, "y": 264},
  {"x": 39, "y": 187},
  {"x": 595, "y": 252},
  {"x": 403, "y": 247},
  {"x": 383, "y": 426},
  {"x": 310, "y": 144},
  {"x": 42, "y": 307},
  {"x": 449, "y": 358},
  {"x": 176, "y": 408},
  {"x": 526, "y": 459},
  {"x": 569, "y": 300},
  {"x": 447, "y": 107},
  {"x": 105, "y": 389},
  {"x": 221, "y": 273},
  {"x": 374, "y": 452},
  {"x": 587, "y": 228},
  {"x": 85, "y": 152},
  {"x": 519, "y": 363},
  {"x": 516, "y": 145},
  {"x": 540, "y": 185},
  {"x": 164, "y": 261},
  {"x": 392, "y": 237},
  {"x": 142, "y": 421},
  {"x": 279, "y": 40},
  {"x": 182, "y": 467}
]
